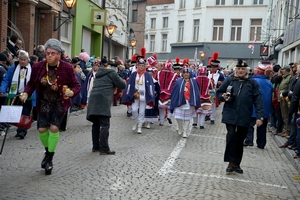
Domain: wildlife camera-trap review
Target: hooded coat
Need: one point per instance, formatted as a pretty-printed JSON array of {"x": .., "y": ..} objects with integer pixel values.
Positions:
[{"x": 101, "y": 96}]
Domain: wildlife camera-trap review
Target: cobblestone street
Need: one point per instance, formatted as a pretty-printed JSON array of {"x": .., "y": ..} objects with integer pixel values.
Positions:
[{"x": 157, "y": 164}]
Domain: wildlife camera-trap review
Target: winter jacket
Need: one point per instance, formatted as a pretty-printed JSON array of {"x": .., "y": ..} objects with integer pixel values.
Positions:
[
  {"x": 101, "y": 97},
  {"x": 245, "y": 93}
]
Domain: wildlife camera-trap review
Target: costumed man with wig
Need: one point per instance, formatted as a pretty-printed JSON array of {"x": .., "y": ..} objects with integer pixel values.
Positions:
[
  {"x": 166, "y": 80},
  {"x": 55, "y": 83},
  {"x": 217, "y": 78},
  {"x": 185, "y": 99},
  {"x": 139, "y": 92}
]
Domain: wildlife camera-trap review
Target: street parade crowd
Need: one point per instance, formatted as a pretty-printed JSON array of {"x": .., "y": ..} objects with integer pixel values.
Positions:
[{"x": 50, "y": 84}]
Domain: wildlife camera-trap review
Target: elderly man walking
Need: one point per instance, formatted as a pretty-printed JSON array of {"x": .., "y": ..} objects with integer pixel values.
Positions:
[{"x": 98, "y": 109}]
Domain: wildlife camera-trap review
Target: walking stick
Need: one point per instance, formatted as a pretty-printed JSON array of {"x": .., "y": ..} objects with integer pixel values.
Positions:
[{"x": 6, "y": 132}]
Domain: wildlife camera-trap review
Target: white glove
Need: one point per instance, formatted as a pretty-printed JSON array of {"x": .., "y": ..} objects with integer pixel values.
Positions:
[
  {"x": 69, "y": 93},
  {"x": 23, "y": 97}
]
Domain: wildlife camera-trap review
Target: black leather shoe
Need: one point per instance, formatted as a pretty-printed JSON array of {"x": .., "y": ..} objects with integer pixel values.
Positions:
[
  {"x": 108, "y": 153},
  {"x": 22, "y": 136},
  {"x": 169, "y": 120},
  {"x": 95, "y": 150},
  {"x": 17, "y": 135},
  {"x": 212, "y": 122},
  {"x": 201, "y": 127},
  {"x": 284, "y": 145},
  {"x": 246, "y": 144},
  {"x": 194, "y": 125},
  {"x": 238, "y": 169},
  {"x": 230, "y": 167}
]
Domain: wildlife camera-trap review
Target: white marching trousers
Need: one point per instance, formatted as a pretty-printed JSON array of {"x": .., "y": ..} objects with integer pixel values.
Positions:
[{"x": 138, "y": 110}]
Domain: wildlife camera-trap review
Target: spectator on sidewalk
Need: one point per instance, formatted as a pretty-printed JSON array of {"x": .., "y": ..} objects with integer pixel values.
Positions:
[
  {"x": 105, "y": 82},
  {"x": 266, "y": 89},
  {"x": 14, "y": 83},
  {"x": 240, "y": 93},
  {"x": 284, "y": 84}
]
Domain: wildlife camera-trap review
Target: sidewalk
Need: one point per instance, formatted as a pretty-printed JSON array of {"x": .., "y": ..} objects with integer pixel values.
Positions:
[{"x": 288, "y": 152}]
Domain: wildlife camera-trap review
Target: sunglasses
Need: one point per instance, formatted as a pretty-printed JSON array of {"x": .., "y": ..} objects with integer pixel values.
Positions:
[{"x": 52, "y": 53}]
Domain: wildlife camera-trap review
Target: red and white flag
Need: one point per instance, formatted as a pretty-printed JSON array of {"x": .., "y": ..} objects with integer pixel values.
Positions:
[{"x": 250, "y": 46}]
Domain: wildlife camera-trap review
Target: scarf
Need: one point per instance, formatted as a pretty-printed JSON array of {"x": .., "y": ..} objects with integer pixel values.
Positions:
[
  {"x": 140, "y": 72},
  {"x": 20, "y": 79}
]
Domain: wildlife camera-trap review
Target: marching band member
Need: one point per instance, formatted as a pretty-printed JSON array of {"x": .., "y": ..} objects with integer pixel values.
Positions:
[
  {"x": 205, "y": 85},
  {"x": 166, "y": 79},
  {"x": 151, "y": 112},
  {"x": 138, "y": 93},
  {"x": 184, "y": 101},
  {"x": 217, "y": 78}
]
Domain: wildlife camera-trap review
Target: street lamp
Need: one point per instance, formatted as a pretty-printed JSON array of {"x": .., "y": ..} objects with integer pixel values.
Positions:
[
  {"x": 132, "y": 44},
  {"x": 70, "y": 4},
  {"x": 202, "y": 57},
  {"x": 111, "y": 28}
]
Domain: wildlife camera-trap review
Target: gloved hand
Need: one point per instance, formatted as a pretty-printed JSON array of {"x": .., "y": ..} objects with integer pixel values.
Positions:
[
  {"x": 23, "y": 97},
  {"x": 69, "y": 93}
]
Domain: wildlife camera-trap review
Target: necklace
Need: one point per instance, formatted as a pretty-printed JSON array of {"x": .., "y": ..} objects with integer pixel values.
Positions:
[{"x": 47, "y": 75}]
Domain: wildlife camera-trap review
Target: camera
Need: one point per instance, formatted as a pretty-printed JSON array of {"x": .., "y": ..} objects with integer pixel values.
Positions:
[{"x": 229, "y": 93}]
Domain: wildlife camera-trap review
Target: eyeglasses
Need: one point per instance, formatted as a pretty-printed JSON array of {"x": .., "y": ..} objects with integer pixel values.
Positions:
[{"x": 52, "y": 53}]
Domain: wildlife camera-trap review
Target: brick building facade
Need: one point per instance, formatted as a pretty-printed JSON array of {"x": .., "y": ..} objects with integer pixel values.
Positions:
[{"x": 33, "y": 20}]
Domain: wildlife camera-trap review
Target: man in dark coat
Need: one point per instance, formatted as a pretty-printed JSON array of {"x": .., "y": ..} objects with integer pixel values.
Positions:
[
  {"x": 98, "y": 108},
  {"x": 240, "y": 93}
]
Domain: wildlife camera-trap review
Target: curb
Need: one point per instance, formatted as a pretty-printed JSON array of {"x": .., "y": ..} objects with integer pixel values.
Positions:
[{"x": 288, "y": 152}]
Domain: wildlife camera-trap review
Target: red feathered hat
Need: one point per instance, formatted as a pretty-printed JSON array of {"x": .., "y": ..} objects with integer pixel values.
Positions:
[
  {"x": 215, "y": 62},
  {"x": 177, "y": 64}
]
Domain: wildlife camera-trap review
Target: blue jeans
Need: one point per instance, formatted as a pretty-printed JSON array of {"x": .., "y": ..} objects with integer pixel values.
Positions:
[
  {"x": 261, "y": 132},
  {"x": 293, "y": 133},
  {"x": 273, "y": 118}
]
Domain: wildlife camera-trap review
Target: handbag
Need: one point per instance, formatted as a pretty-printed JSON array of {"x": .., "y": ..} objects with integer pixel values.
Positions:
[{"x": 25, "y": 122}]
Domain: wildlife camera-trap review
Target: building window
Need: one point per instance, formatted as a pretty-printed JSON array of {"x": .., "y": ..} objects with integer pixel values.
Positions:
[
  {"x": 165, "y": 22},
  {"x": 218, "y": 29},
  {"x": 152, "y": 43},
  {"x": 197, "y": 3},
  {"x": 182, "y": 4},
  {"x": 258, "y": 1},
  {"x": 153, "y": 22},
  {"x": 134, "y": 15},
  {"x": 236, "y": 30},
  {"x": 255, "y": 30},
  {"x": 238, "y": 2},
  {"x": 196, "y": 29},
  {"x": 180, "y": 31},
  {"x": 164, "y": 42},
  {"x": 220, "y": 2}
]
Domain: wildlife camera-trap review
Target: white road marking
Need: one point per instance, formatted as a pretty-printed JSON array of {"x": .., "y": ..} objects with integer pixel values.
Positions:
[
  {"x": 222, "y": 138},
  {"x": 171, "y": 160},
  {"x": 228, "y": 178}
]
